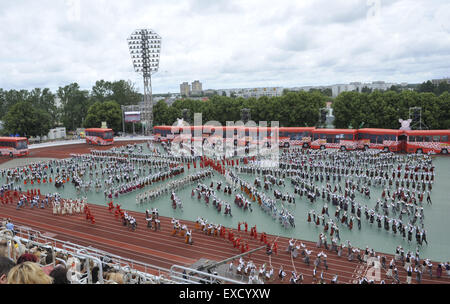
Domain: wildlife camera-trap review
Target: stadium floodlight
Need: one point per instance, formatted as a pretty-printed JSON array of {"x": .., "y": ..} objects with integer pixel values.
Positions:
[{"x": 145, "y": 51}]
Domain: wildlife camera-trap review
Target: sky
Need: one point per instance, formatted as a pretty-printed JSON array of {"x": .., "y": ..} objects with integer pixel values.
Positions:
[{"x": 225, "y": 43}]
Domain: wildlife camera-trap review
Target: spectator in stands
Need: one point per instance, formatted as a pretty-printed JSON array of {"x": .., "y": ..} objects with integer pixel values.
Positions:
[
  {"x": 28, "y": 273},
  {"x": 37, "y": 252},
  {"x": 94, "y": 273},
  {"x": 5, "y": 266},
  {"x": 27, "y": 257},
  {"x": 10, "y": 226},
  {"x": 59, "y": 275},
  {"x": 83, "y": 273},
  {"x": 49, "y": 256},
  {"x": 60, "y": 256},
  {"x": 114, "y": 278},
  {"x": 3, "y": 248}
]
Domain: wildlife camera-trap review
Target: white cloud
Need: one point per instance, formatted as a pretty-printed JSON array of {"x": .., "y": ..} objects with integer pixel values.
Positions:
[{"x": 225, "y": 44}]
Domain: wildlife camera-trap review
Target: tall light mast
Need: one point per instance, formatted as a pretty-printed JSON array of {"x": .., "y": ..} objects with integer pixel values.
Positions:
[{"x": 145, "y": 50}]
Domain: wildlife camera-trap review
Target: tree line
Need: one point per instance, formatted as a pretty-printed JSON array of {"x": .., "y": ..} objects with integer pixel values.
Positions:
[
  {"x": 291, "y": 109},
  {"x": 382, "y": 109},
  {"x": 35, "y": 112}
]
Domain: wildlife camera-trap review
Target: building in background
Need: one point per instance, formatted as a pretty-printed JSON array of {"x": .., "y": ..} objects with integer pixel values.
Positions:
[
  {"x": 359, "y": 87},
  {"x": 337, "y": 89},
  {"x": 185, "y": 89},
  {"x": 251, "y": 92},
  {"x": 196, "y": 88},
  {"x": 438, "y": 81},
  {"x": 210, "y": 92}
]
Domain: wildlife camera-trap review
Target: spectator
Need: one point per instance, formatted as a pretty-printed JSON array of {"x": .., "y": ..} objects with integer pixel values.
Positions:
[
  {"x": 5, "y": 266},
  {"x": 35, "y": 251},
  {"x": 10, "y": 226},
  {"x": 27, "y": 257},
  {"x": 3, "y": 248},
  {"x": 28, "y": 273},
  {"x": 49, "y": 256},
  {"x": 59, "y": 275},
  {"x": 94, "y": 274},
  {"x": 114, "y": 278}
]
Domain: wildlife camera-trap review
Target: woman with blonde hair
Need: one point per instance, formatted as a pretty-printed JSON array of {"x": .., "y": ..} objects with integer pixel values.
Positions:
[
  {"x": 28, "y": 273},
  {"x": 114, "y": 278}
]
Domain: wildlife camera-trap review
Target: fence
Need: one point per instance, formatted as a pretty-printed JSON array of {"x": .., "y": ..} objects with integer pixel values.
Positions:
[{"x": 134, "y": 272}]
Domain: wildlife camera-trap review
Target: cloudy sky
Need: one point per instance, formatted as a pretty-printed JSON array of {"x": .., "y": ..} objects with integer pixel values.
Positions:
[{"x": 225, "y": 44}]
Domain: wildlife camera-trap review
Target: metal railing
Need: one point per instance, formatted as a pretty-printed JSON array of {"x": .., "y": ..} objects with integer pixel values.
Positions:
[
  {"x": 134, "y": 271},
  {"x": 188, "y": 275}
]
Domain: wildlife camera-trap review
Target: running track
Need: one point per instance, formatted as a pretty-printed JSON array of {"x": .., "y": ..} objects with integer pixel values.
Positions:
[{"x": 161, "y": 249}]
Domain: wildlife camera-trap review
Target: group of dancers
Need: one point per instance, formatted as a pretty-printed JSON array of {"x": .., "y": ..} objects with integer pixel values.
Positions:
[{"x": 207, "y": 193}]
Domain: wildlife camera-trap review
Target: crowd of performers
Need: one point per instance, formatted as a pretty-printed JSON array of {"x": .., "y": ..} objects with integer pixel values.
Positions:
[
  {"x": 267, "y": 204},
  {"x": 130, "y": 222},
  {"x": 173, "y": 185},
  {"x": 176, "y": 202},
  {"x": 182, "y": 230},
  {"x": 208, "y": 193},
  {"x": 336, "y": 179},
  {"x": 89, "y": 173},
  {"x": 33, "y": 198},
  {"x": 399, "y": 210}
]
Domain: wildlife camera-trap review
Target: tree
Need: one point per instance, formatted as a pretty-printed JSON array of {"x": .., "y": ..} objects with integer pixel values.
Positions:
[
  {"x": 395, "y": 88},
  {"x": 326, "y": 92},
  {"x": 26, "y": 120},
  {"x": 383, "y": 109},
  {"x": 348, "y": 109},
  {"x": 101, "y": 91},
  {"x": 426, "y": 87},
  {"x": 123, "y": 92},
  {"x": 3, "y": 103},
  {"x": 45, "y": 100},
  {"x": 11, "y": 97},
  {"x": 366, "y": 89},
  {"x": 160, "y": 113},
  {"x": 172, "y": 115},
  {"x": 444, "y": 111},
  {"x": 75, "y": 104},
  {"x": 108, "y": 111},
  {"x": 441, "y": 88}
]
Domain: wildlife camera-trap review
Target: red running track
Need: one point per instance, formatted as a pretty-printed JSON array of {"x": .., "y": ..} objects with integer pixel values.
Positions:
[
  {"x": 162, "y": 249},
  {"x": 64, "y": 151}
]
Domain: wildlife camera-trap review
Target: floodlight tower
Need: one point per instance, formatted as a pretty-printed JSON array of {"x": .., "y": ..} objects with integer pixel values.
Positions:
[{"x": 145, "y": 49}]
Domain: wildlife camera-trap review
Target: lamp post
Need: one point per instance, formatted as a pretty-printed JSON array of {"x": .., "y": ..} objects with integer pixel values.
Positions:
[{"x": 145, "y": 49}]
